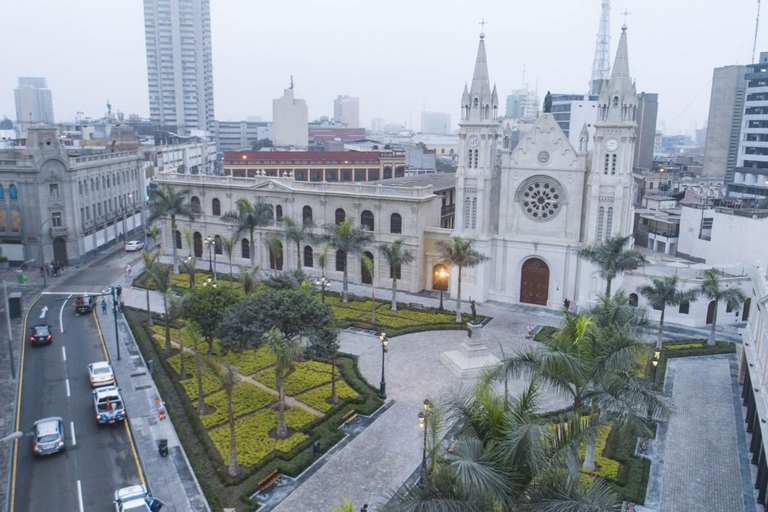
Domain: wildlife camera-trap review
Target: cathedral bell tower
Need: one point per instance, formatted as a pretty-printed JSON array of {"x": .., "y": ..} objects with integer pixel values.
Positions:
[{"x": 477, "y": 173}]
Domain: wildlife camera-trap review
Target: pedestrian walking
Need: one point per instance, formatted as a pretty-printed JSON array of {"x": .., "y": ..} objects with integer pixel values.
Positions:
[
  {"x": 566, "y": 304},
  {"x": 42, "y": 271},
  {"x": 103, "y": 307},
  {"x": 53, "y": 269},
  {"x": 47, "y": 268},
  {"x": 129, "y": 272},
  {"x": 365, "y": 508}
]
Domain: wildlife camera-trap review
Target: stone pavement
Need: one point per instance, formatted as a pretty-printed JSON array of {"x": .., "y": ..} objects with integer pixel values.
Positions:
[{"x": 699, "y": 457}]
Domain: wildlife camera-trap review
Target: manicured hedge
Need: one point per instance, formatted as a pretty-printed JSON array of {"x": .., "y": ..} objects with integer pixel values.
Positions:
[
  {"x": 318, "y": 397},
  {"x": 307, "y": 375},
  {"x": 246, "y": 398}
]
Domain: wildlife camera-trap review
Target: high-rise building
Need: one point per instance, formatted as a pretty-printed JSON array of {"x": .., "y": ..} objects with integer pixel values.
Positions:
[
  {"x": 377, "y": 125},
  {"x": 179, "y": 64},
  {"x": 346, "y": 110},
  {"x": 435, "y": 122},
  {"x": 574, "y": 111},
  {"x": 522, "y": 104},
  {"x": 34, "y": 102},
  {"x": 726, "y": 108},
  {"x": 750, "y": 176},
  {"x": 290, "y": 120},
  {"x": 645, "y": 132}
]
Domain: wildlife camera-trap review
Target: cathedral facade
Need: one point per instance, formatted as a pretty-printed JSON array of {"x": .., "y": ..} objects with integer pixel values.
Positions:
[{"x": 530, "y": 207}]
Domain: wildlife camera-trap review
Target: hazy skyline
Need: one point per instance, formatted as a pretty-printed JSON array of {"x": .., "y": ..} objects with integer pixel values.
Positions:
[{"x": 399, "y": 60}]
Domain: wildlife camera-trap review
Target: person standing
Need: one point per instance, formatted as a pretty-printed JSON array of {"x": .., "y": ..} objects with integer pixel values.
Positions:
[{"x": 103, "y": 306}]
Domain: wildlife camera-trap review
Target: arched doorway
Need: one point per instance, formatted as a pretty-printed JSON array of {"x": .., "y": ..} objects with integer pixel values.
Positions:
[
  {"x": 367, "y": 277},
  {"x": 198, "y": 245},
  {"x": 534, "y": 282},
  {"x": 711, "y": 312},
  {"x": 745, "y": 310},
  {"x": 60, "y": 250}
]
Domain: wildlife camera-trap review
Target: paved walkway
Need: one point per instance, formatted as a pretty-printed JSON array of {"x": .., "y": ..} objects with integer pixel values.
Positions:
[{"x": 699, "y": 457}]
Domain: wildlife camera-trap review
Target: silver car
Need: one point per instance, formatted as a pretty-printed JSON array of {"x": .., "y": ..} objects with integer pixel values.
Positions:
[
  {"x": 136, "y": 498},
  {"x": 49, "y": 436},
  {"x": 101, "y": 374}
]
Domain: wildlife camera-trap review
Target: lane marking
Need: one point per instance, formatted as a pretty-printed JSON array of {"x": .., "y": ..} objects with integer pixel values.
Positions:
[
  {"x": 80, "y": 496},
  {"x": 64, "y": 353},
  {"x": 43, "y": 311},
  {"x": 74, "y": 439},
  {"x": 61, "y": 313},
  {"x": 67, "y": 381},
  {"x": 19, "y": 386}
]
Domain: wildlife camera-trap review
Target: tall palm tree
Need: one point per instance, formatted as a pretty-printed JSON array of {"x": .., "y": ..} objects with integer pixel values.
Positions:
[
  {"x": 297, "y": 232},
  {"x": 249, "y": 278},
  {"x": 397, "y": 256},
  {"x": 322, "y": 259},
  {"x": 190, "y": 241},
  {"x": 612, "y": 257},
  {"x": 196, "y": 339},
  {"x": 228, "y": 243},
  {"x": 150, "y": 259},
  {"x": 371, "y": 269},
  {"x": 712, "y": 290},
  {"x": 162, "y": 277},
  {"x": 459, "y": 252},
  {"x": 287, "y": 352},
  {"x": 176, "y": 313},
  {"x": 167, "y": 201},
  {"x": 350, "y": 239},
  {"x": 275, "y": 251},
  {"x": 228, "y": 377},
  {"x": 189, "y": 266},
  {"x": 247, "y": 218},
  {"x": 662, "y": 293}
]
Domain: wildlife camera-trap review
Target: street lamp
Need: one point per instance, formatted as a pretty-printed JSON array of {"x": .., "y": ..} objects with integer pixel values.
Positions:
[
  {"x": 211, "y": 244},
  {"x": 323, "y": 283},
  {"x": 383, "y": 386},
  {"x": 655, "y": 362},
  {"x": 441, "y": 275},
  {"x": 423, "y": 419},
  {"x": 209, "y": 282}
]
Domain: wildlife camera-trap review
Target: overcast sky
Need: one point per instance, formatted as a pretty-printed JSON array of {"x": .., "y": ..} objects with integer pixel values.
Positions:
[{"x": 399, "y": 57}]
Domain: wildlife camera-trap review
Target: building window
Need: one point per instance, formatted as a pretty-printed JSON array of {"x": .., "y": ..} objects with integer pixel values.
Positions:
[
  {"x": 87, "y": 213},
  {"x": 317, "y": 175},
  {"x": 633, "y": 300},
  {"x": 359, "y": 174},
  {"x": 366, "y": 220},
  {"x": 99, "y": 208},
  {"x": 245, "y": 249},
  {"x": 706, "y": 228},
  {"x": 341, "y": 260},
  {"x": 346, "y": 175},
  {"x": 330, "y": 176},
  {"x": 650, "y": 185},
  {"x": 308, "y": 257},
  {"x": 607, "y": 162},
  {"x": 395, "y": 223},
  {"x": 609, "y": 223},
  {"x": 613, "y": 164},
  {"x": 615, "y": 101},
  {"x": 195, "y": 202},
  {"x": 56, "y": 219},
  {"x": 684, "y": 307},
  {"x": 279, "y": 213},
  {"x": 340, "y": 216},
  {"x": 53, "y": 190},
  {"x": 216, "y": 206},
  {"x": 600, "y": 218},
  {"x": 14, "y": 194},
  {"x": 466, "y": 213},
  {"x": 306, "y": 215},
  {"x": 178, "y": 239},
  {"x": 474, "y": 212},
  {"x": 373, "y": 175},
  {"x": 395, "y": 271},
  {"x": 387, "y": 173}
]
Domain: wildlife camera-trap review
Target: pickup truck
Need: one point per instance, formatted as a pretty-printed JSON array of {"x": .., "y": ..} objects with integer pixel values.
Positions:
[{"x": 84, "y": 304}]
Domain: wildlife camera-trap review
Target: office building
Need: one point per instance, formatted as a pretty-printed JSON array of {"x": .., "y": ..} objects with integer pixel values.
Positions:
[
  {"x": 34, "y": 103},
  {"x": 645, "y": 133},
  {"x": 346, "y": 110},
  {"x": 574, "y": 111},
  {"x": 290, "y": 125},
  {"x": 726, "y": 108},
  {"x": 236, "y": 135},
  {"x": 435, "y": 122},
  {"x": 522, "y": 104},
  {"x": 179, "y": 64}
]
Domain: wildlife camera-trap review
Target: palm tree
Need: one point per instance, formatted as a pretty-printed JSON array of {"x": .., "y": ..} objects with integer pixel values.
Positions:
[
  {"x": 249, "y": 278},
  {"x": 228, "y": 243},
  {"x": 228, "y": 377},
  {"x": 297, "y": 232},
  {"x": 190, "y": 240},
  {"x": 612, "y": 257},
  {"x": 176, "y": 313},
  {"x": 350, "y": 239},
  {"x": 322, "y": 259},
  {"x": 397, "y": 256},
  {"x": 275, "y": 251},
  {"x": 170, "y": 202},
  {"x": 247, "y": 218},
  {"x": 712, "y": 290},
  {"x": 189, "y": 266},
  {"x": 459, "y": 252},
  {"x": 287, "y": 352},
  {"x": 196, "y": 339},
  {"x": 150, "y": 259},
  {"x": 162, "y": 276},
  {"x": 371, "y": 269},
  {"x": 662, "y": 293}
]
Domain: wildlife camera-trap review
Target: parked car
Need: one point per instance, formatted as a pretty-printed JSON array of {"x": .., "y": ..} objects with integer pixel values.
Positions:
[
  {"x": 49, "y": 436},
  {"x": 133, "y": 245},
  {"x": 101, "y": 374},
  {"x": 84, "y": 304},
  {"x": 41, "y": 334},
  {"x": 136, "y": 498},
  {"x": 109, "y": 405}
]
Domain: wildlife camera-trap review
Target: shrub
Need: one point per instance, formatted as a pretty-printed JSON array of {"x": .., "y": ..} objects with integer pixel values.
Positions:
[
  {"x": 308, "y": 375},
  {"x": 317, "y": 398},
  {"x": 545, "y": 333},
  {"x": 606, "y": 467},
  {"x": 246, "y": 398}
]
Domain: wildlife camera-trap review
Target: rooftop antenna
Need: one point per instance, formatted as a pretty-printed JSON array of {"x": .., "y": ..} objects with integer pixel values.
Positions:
[
  {"x": 291, "y": 81},
  {"x": 525, "y": 86},
  {"x": 757, "y": 25},
  {"x": 601, "y": 65},
  {"x": 482, "y": 24}
]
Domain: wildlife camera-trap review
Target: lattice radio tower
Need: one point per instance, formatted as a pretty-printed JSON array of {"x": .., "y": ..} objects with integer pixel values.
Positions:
[{"x": 601, "y": 66}]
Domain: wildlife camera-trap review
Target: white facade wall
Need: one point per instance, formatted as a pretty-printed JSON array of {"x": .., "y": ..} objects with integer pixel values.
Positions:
[
  {"x": 290, "y": 122},
  {"x": 199, "y": 155}
]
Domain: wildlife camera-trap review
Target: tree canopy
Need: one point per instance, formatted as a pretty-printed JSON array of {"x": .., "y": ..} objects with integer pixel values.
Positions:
[{"x": 206, "y": 306}]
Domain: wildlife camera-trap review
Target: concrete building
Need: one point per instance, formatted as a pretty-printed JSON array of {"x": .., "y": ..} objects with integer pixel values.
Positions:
[
  {"x": 332, "y": 138},
  {"x": 657, "y": 224},
  {"x": 522, "y": 104},
  {"x": 179, "y": 64},
  {"x": 726, "y": 108},
  {"x": 70, "y": 203},
  {"x": 574, "y": 111},
  {"x": 196, "y": 156},
  {"x": 34, "y": 103},
  {"x": 647, "y": 112},
  {"x": 346, "y": 110},
  {"x": 290, "y": 121},
  {"x": 752, "y": 160},
  {"x": 237, "y": 135},
  {"x": 435, "y": 122},
  {"x": 377, "y": 125}
]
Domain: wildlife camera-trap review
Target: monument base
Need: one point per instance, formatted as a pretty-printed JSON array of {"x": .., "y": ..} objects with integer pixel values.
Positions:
[{"x": 468, "y": 362}]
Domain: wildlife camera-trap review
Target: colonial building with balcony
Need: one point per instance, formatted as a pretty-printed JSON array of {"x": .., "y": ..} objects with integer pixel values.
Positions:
[{"x": 67, "y": 204}]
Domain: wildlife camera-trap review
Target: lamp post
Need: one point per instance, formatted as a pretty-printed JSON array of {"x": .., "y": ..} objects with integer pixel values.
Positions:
[
  {"x": 115, "y": 300},
  {"x": 442, "y": 275},
  {"x": 210, "y": 242},
  {"x": 122, "y": 210},
  {"x": 383, "y": 386},
  {"x": 209, "y": 282},
  {"x": 423, "y": 420},
  {"x": 42, "y": 254},
  {"x": 655, "y": 362},
  {"x": 323, "y": 283}
]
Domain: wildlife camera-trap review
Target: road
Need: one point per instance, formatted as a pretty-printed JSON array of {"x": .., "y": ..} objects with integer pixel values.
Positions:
[{"x": 54, "y": 382}]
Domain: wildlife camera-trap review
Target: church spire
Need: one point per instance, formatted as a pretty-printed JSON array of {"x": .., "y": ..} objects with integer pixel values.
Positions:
[
  {"x": 481, "y": 84},
  {"x": 479, "y": 103},
  {"x": 618, "y": 99}
]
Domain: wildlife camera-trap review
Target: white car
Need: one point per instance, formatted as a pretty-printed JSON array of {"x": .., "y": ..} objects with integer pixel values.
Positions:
[
  {"x": 101, "y": 374},
  {"x": 133, "y": 245},
  {"x": 136, "y": 499}
]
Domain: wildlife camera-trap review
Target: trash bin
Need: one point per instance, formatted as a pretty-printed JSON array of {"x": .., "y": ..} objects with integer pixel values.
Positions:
[
  {"x": 14, "y": 304},
  {"x": 21, "y": 278}
]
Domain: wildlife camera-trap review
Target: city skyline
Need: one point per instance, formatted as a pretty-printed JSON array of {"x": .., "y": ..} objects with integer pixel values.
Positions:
[{"x": 399, "y": 65}]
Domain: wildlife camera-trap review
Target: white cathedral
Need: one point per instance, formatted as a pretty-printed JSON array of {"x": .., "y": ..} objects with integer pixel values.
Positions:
[{"x": 530, "y": 207}]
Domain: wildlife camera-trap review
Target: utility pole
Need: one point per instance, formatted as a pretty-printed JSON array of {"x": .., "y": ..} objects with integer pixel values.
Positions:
[
  {"x": 114, "y": 310},
  {"x": 757, "y": 25},
  {"x": 10, "y": 334}
]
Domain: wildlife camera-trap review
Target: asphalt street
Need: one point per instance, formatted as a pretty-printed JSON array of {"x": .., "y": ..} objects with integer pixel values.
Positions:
[{"x": 54, "y": 382}]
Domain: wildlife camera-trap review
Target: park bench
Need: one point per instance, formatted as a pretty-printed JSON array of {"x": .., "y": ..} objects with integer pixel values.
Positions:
[
  {"x": 349, "y": 417},
  {"x": 415, "y": 305},
  {"x": 453, "y": 445},
  {"x": 268, "y": 481}
]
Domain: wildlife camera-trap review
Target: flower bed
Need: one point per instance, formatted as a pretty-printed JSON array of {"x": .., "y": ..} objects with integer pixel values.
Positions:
[
  {"x": 252, "y": 435},
  {"x": 317, "y": 397},
  {"x": 308, "y": 375},
  {"x": 246, "y": 398}
]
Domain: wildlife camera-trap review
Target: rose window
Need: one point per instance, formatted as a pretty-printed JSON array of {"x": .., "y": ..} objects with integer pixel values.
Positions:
[{"x": 540, "y": 200}]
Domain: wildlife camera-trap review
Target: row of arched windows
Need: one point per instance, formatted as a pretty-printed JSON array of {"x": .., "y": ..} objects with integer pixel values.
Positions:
[
  {"x": 106, "y": 182},
  {"x": 608, "y": 221},
  {"x": 470, "y": 213},
  {"x": 11, "y": 192}
]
